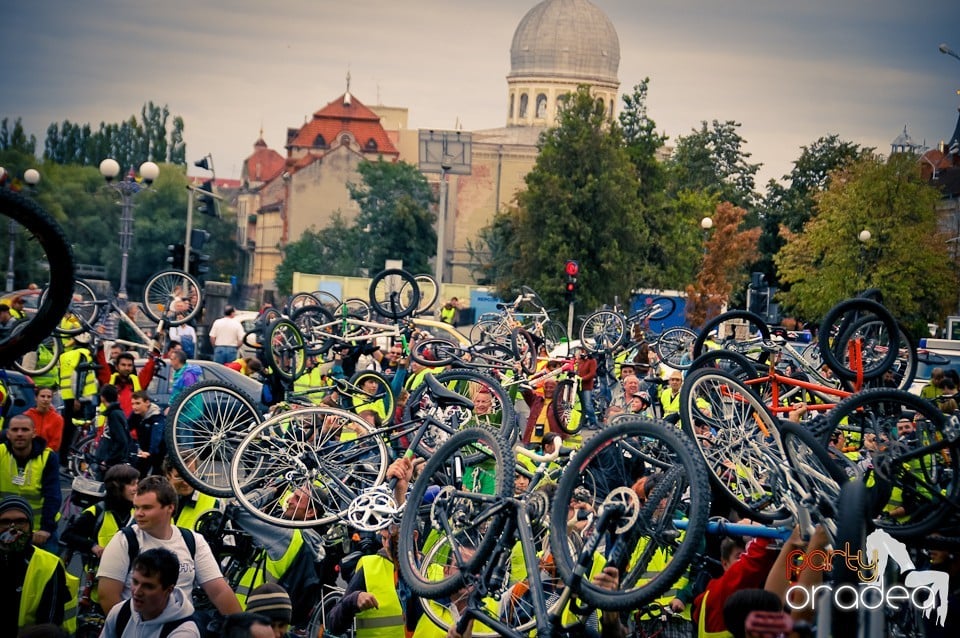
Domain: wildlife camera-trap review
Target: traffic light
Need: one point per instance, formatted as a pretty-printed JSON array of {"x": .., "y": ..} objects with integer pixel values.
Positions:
[
  {"x": 207, "y": 203},
  {"x": 572, "y": 269},
  {"x": 199, "y": 262},
  {"x": 176, "y": 255}
]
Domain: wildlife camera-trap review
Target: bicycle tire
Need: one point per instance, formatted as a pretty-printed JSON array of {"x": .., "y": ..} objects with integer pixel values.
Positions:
[
  {"x": 664, "y": 449},
  {"x": 904, "y": 368},
  {"x": 928, "y": 485},
  {"x": 357, "y": 308},
  {"x": 490, "y": 331},
  {"x": 173, "y": 297},
  {"x": 204, "y": 426},
  {"x": 502, "y": 417},
  {"x": 851, "y": 540},
  {"x": 394, "y": 293},
  {"x": 755, "y": 323},
  {"x": 45, "y": 231},
  {"x": 524, "y": 350},
  {"x": 321, "y": 458},
  {"x": 842, "y": 321},
  {"x": 382, "y": 402},
  {"x": 729, "y": 361},
  {"x": 285, "y": 350},
  {"x": 740, "y": 428},
  {"x": 314, "y": 324},
  {"x": 437, "y": 352},
  {"x": 429, "y": 293},
  {"x": 461, "y": 510},
  {"x": 820, "y": 467},
  {"x": 554, "y": 336},
  {"x": 602, "y": 331},
  {"x": 301, "y": 300},
  {"x": 81, "y": 456},
  {"x": 42, "y": 359},
  {"x": 667, "y": 306},
  {"x": 83, "y": 311},
  {"x": 673, "y": 346},
  {"x": 565, "y": 403}
]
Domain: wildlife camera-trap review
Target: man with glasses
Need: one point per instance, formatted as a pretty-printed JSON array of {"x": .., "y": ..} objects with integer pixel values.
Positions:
[{"x": 34, "y": 583}]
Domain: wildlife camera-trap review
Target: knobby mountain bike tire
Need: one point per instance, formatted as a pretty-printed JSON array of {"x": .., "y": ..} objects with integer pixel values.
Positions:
[
  {"x": 850, "y": 319},
  {"x": 635, "y": 447},
  {"x": 394, "y": 293},
  {"x": 33, "y": 224},
  {"x": 459, "y": 502},
  {"x": 204, "y": 427},
  {"x": 173, "y": 297},
  {"x": 756, "y": 327}
]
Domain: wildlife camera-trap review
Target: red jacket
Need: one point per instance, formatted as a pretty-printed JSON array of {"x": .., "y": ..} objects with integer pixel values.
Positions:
[
  {"x": 537, "y": 404},
  {"x": 49, "y": 425},
  {"x": 105, "y": 374},
  {"x": 749, "y": 572},
  {"x": 587, "y": 371}
]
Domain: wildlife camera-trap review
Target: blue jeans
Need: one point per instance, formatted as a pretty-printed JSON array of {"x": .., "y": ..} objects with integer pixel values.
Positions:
[
  {"x": 224, "y": 354},
  {"x": 586, "y": 406}
]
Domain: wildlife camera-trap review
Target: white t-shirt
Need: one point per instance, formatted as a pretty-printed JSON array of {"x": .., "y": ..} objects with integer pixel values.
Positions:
[
  {"x": 227, "y": 331},
  {"x": 115, "y": 562}
]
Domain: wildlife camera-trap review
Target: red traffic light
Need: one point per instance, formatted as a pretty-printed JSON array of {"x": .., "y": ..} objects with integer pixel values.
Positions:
[
  {"x": 572, "y": 268},
  {"x": 571, "y": 286}
]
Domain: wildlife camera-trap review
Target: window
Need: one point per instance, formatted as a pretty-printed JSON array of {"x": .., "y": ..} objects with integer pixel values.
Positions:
[
  {"x": 371, "y": 144},
  {"x": 523, "y": 105},
  {"x": 319, "y": 141},
  {"x": 610, "y": 114},
  {"x": 345, "y": 140},
  {"x": 541, "y": 106},
  {"x": 510, "y": 114}
]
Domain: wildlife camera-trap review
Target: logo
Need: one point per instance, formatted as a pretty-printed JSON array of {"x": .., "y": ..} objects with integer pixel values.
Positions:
[{"x": 925, "y": 590}]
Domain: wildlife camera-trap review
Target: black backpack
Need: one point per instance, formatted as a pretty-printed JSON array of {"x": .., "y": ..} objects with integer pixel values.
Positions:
[
  {"x": 126, "y": 610},
  {"x": 133, "y": 544}
]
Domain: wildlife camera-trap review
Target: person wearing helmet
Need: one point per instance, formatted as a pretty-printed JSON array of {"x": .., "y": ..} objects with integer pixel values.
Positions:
[{"x": 641, "y": 404}]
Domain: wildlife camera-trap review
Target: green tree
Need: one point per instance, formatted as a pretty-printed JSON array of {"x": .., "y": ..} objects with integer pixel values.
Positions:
[
  {"x": 15, "y": 138},
  {"x": 580, "y": 203},
  {"x": 332, "y": 250},
  {"x": 395, "y": 220},
  {"x": 712, "y": 159},
  {"x": 905, "y": 258},
  {"x": 792, "y": 206}
]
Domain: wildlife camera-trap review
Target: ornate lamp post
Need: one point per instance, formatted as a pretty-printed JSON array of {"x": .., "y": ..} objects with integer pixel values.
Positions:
[{"x": 128, "y": 188}]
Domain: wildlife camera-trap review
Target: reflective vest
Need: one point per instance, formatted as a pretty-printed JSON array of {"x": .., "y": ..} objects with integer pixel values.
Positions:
[
  {"x": 83, "y": 381},
  {"x": 702, "y": 622},
  {"x": 447, "y": 314},
  {"x": 387, "y": 620},
  {"x": 426, "y": 628},
  {"x": 671, "y": 405},
  {"x": 312, "y": 378},
  {"x": 658, "y": 562},
  {"x": 27, "y": 484},
  {"x": 43, "y": 565},
  {"x": 198, "y": 505},
  {"x": 255, "y": 576},
  {"x": 108, "y": 526}
]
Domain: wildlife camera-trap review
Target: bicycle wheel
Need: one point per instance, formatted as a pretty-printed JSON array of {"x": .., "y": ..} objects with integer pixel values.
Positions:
[
  {"x": 83, "y": 311},
  {"x": 315, "y": 324},
  {"x": 738, "y": 439},
  {"x": 42, "y": 359},
  {"x": 632, "y": 533},
  {"x": 301, "y": 300},
  {"x": 373, "y": 394},
  {"x": 429, "y": 293},
  {"x": 756, "y": 329},
  {"x": 901, "y": 374},
  {"x": 602, "y": 331},
  {"x": 673, "y": 346},
  {"x": 434, "y": 353},
  {"x": 357, "y": 308},
  {"x": 394, "y": 293},
  {"x": 911, "y": 462},
  {"x": 667, "y": 306},
  {"x": 31, "y": 226},
  {"x": 493, "y": 408},
  {"x": 851, "y": 540},
  {"x": 285, "y": 350},
  {"x": 555, "y": 335},
  {"x": 204, "y": 426},
  {"x": 729, "y": 361},
  {"x": 822, "y": 471},
  {"x": 305, "y": 468},
  {"x": 524, "y": 350},
  {"x": 867, "y": 321},
  {"x": 457, "y": 500},
  {"x": 82, "y": 456},
  {"x": 173, "y": 297},
  {"x": 566, "y": 407},
  {"x": 490, "y": 331}
]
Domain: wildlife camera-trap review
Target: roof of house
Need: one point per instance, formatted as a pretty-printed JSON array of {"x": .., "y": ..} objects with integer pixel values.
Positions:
[{"x": 346, "y": 114}]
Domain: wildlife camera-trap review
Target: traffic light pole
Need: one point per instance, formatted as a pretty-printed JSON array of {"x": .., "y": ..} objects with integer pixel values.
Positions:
[
  {"x": 186, "y": 241},
  {"x": 570, "y": 323}
]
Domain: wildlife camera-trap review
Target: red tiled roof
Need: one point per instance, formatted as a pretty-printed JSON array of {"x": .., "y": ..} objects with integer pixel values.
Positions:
[
  {"x": 339, "y": 117},
  {"x": 264, "y": 164}
]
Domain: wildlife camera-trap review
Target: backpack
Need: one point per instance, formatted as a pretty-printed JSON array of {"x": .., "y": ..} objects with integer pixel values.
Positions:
[
  {"x": 126, "y": 610},
  {"x": 133, "y": 544}
]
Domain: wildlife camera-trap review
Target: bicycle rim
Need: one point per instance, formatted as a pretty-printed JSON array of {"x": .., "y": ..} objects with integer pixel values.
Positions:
[{"x": 172, "y": 296}]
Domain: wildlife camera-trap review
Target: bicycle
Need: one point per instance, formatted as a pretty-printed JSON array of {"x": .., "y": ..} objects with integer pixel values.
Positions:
[
  {"x": 498, "y": 327},
  {"x": 460, "y": 543}
]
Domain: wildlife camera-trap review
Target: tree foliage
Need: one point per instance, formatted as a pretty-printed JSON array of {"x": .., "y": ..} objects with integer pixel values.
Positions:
[
  {"x": 580, "y": 203},
  {"x": 130, "y": 142},
  {"x": 16, "y": 139},
  {"x": 395, "y": 208},
  {"x": 712, "y": 159},
  {"x": 332, "y": 250},
  {"x": 906, "y": 256},
  {"x": 729, "y": 248}
]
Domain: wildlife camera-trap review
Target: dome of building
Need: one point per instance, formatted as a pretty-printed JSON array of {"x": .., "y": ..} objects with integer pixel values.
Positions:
[{"x": 566, "y": 38}]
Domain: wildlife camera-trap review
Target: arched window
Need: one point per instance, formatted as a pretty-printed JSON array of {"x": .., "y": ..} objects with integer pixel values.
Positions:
[
  {"x": 523, "y": 105},
  {"x": 610, "y": 114},
  {"x": 320, "y": 142},
  {"x": 510, "y": 114},
  {"x": 562, "y": 101},
  {"x": 371, "y": 145},
  {"x": 541, "y": 106},
  {"x": 600, "y": 106},
  {"x": 345, "y": 140}
]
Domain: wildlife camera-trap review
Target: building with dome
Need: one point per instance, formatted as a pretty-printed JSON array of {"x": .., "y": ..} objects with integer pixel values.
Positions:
[{"x": 557, "y": 46}]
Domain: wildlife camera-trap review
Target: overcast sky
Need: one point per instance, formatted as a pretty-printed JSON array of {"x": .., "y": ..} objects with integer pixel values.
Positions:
[{"x": 788, "y": 71}]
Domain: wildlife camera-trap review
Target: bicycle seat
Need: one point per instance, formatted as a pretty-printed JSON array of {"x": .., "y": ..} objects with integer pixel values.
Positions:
[
  {"x": 502, "y": 306},
  {"x": 445, "y": 397}
]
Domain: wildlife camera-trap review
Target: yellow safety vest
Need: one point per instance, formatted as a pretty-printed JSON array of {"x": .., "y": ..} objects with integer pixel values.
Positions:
[
  {"x": 40, "y": 570},
  {"x": 313, "y": 378},
  {"x": 702, "y": 622},
  {"x": 255, "y": 576},
  {"x": 387, "y": 620},
  {"x": 658, "y": 562},
  {"x": 134, "y": 379},
  {"x": 86, "y": 380},
  {"x": 670, "y": 405},
  {"x": 195, "y": 509},
  {"x": 108, "y": 527},
  {"x": 28, "y": 485}
]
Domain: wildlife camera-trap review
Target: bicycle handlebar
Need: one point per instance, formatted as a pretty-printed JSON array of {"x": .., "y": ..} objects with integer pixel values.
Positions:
[
  {"x": 726, "y": 528},
  {"x": 538, "y": 458}
]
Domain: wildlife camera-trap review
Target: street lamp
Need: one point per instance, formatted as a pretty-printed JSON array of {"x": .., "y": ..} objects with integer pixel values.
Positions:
[
  {"x": 946, "y": 50},
  {"x": 706, "y": 223},
  {"x": 127, "y": 188},
  {"x": 864, "y": 236}
]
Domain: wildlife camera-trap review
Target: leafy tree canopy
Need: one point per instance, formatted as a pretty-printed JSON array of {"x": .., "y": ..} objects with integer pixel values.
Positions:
[{"x": 332, "y": 250}]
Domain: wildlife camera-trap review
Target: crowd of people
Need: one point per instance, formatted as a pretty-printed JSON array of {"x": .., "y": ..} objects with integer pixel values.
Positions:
[{"x": 152, "y": 561}]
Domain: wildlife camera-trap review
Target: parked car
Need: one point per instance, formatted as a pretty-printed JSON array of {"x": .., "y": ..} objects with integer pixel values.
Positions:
[
  {"x": 161, "y": 385},
  {"x": 442, "y": 330},
  {"x": 934, "y": 353}
]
